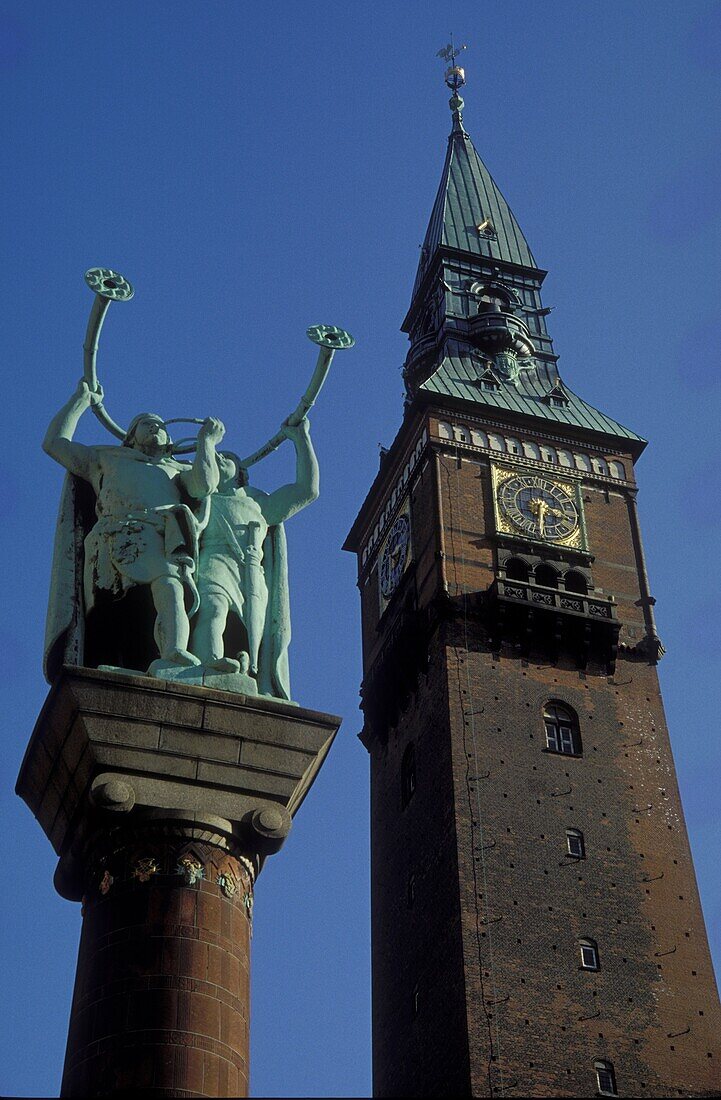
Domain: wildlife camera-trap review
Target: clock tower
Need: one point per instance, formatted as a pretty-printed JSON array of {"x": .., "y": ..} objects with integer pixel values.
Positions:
[{"x": 536, "y": 924}]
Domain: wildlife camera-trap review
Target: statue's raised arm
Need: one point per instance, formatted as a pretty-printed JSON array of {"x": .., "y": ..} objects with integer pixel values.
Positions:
[
  {"x": 58, "y": 442},
  {"x": 202, "y": 478},
  {"x": 284, "y": 502}
]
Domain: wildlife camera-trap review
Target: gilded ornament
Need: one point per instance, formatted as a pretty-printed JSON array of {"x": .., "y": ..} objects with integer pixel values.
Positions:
[
  {"x": 191, "y": 870},
  {"x": 145, "y": 868}
]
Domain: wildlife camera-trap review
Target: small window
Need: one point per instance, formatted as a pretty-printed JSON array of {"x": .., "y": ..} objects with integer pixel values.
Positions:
[
  {"x": 444, "y": 430},
  {"x": 605, "y": 1078},
  {"x": 574, "y": 844},
  {"x": 549, "y": 455},
  {"x": 562, "y": 732},
  {"x": 618, "y": 470},
  {"x": 461, "y": 434},
  {"x": 408, "y": 774},
  {"x": 513, "y": 446},
  {"x": 589, "y": 955}
]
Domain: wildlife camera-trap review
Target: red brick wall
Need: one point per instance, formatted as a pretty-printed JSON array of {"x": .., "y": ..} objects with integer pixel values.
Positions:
[{"x": 634, "y": 894}]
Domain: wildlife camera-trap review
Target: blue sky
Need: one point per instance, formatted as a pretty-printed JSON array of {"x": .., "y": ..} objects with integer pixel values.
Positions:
[{"x": 257, "y": 169}]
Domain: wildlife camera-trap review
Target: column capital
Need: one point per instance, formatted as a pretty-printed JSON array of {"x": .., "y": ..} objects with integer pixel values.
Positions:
[{"x": 116, "y": 761}]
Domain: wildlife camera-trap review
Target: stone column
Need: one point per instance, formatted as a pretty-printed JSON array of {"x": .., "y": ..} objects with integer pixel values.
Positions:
[{"x": 162, "y": 803}]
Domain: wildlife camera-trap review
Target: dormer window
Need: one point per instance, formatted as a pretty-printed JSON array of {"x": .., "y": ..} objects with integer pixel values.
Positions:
[
  {"x": 488, "y": 380},
  {"x": 487, "y": 229},
  {"x": 557, "y": 397}
]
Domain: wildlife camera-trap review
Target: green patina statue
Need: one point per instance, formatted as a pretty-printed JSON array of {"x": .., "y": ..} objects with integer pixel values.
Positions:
[
  {"x": 242, "y": 567},
  {"x": 146, "y": 532},
  {"x": 171, "y": 566}
]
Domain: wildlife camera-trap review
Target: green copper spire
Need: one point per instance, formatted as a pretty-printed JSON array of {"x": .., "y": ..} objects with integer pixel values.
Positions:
[
  {"x": 476, "y": 323},
  {"x": 470, "y": 214}
]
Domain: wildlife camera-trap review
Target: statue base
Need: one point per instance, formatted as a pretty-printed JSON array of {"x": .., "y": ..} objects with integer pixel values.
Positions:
[
  {"x": 238, "y": 683},
  {"x": 162, "y": 800}
]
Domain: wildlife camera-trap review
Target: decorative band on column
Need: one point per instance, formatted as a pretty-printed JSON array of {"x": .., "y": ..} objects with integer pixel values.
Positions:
[{"x": 166, "y": 853}]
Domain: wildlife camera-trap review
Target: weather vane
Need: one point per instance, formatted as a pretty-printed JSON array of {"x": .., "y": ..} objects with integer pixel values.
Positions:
[{"x": 454, "y": 75}]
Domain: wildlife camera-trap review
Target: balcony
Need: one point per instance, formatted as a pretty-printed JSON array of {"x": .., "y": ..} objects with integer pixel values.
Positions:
[
  {"x": 532, "y": 618},
  {"x": 567, "y": 603}
]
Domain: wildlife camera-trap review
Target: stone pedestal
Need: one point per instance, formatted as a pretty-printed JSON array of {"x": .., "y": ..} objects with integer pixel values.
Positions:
[{"x": 162, "y": 802}]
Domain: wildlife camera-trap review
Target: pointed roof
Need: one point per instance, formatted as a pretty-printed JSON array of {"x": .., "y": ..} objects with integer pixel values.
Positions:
[{"x": 470, "y": 214}]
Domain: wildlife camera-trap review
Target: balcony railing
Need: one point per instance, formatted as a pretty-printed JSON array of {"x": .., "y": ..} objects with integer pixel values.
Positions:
[{"x": 554, "y": 599}]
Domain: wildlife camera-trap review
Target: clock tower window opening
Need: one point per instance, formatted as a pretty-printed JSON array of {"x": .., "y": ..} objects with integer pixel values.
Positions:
[
  {"x": 575, "y": 845},
  {"x": 517, "y": 570},
  {"x": 546, "y": 575},
  {"x": 575, "y": 582},
  {"x": 589, "y": 955},
  {"x": 411, "y": 891},
  {"x": 562, "y": 731},
  {"x": 408, "y": 774},
  {"x": 605, "y": 1078}
]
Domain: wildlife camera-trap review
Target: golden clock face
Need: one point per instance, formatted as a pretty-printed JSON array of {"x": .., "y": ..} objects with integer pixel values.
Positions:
[{"x": 538, "y": 508}]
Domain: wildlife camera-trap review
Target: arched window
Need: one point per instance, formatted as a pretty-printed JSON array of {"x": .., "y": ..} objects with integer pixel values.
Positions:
[
  {"x": 549, "y": 455},
  {"x": 531, "y": 450},
  {"x": 576, "y": 582},
  {"x": 497, "y": 443},
  {"x": 565, "y": 458},
  {"x": 600, "y": 466},
  {"x": 583, "y": 462},
  {"x": 605, "y": 1078},
  {"x": 444, "y": 430},
  {"x": 479, "y": 438},
  {"x": 618, "y": 470},
  {"x": 513, "y": 446},
  {"x": 546, "y": 575},
  {"x": 575, "y": 845},
  {"x": 408, "y": 774},
  {"x": 562, "y": 732},
  {"x": 461, "y": 433},
  {"x": 516, "y": 570},
  {"x": 589, "y": 954}
]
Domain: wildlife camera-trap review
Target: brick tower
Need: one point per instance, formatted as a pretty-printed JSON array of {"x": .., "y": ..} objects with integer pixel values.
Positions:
[{"x": 536, "y": 924}]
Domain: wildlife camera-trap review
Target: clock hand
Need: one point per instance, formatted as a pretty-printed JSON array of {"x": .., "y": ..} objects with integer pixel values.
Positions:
[{"x": 539, "y": 508}]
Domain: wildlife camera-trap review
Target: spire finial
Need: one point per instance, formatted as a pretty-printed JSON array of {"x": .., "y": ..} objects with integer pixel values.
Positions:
[{"x": 455, "y": 79}]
